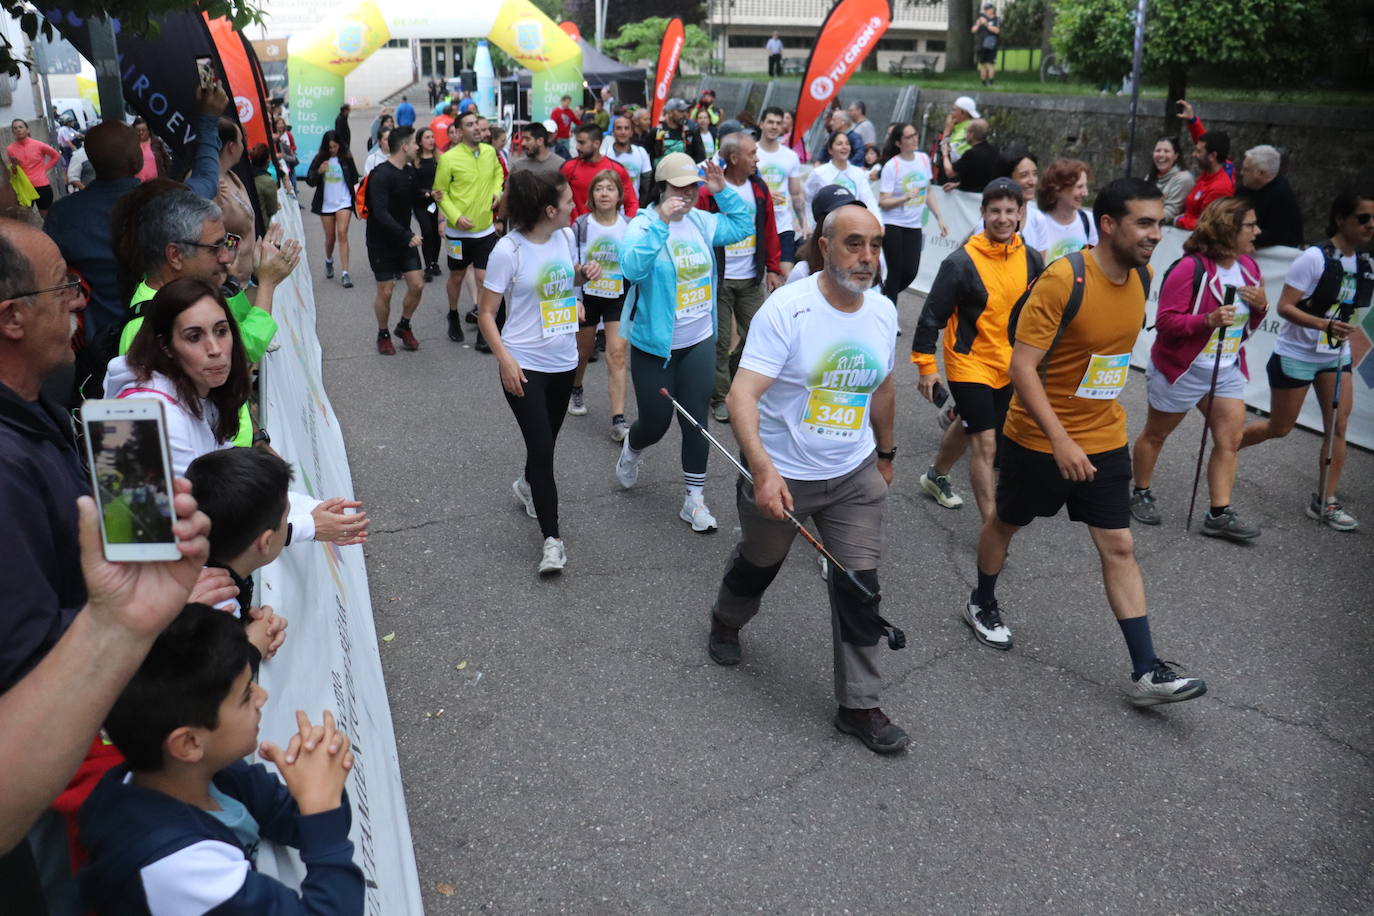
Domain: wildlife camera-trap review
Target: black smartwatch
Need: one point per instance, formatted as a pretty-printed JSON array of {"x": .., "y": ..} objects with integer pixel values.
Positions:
[{"x": 887, "y": 456}]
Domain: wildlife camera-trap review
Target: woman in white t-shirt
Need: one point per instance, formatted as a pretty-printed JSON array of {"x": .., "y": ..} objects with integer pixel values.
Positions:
[
  {"x": 1067, "y": 227},
  {"x": 838, "y": 170},
  {"x": 334, "y": 176},
  {"x": 596, "y": 236},
  {"x": 1326, "y": 293},
  {"x": 534, "y": 269},
  {"x": 903, "y": 195}
]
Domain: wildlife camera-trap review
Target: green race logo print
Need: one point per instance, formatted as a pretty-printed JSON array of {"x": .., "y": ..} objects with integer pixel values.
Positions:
[
  {"x": 554, "y": 281},
  {"x": 605, "y": 251},
  {"x": 847, "y": 366},
  {"x": 690, "y": 260},
  {"x": 772, "y": 176}
]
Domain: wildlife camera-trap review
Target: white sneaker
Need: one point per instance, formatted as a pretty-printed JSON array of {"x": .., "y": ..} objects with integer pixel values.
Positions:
[
  {"x": 1161, "y": 684},
  {"x": 522, "y": 493},
  {"x": 555, "y": 557},
  {"x": 577, "y": 403},
  {"x": 940, "y": 490},
  {"x": 1332, "y": 514},
  {"x": 986, "y": 624},
  {"x": 695, "y": 513},
  {"x": 627, "y": 468},
  {"x": 619, "y": 430}
]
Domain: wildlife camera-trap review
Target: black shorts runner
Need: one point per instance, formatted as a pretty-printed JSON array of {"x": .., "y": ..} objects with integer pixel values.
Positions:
[
  {"x": 597, "y": 309},
  {"x": 981, "y": 407},
  {"x": 788, "y": 241},
  {"x": 390, "y": 263},
  {"x": 1030, "y": 485},
  {"x": 475, "y": 251}
]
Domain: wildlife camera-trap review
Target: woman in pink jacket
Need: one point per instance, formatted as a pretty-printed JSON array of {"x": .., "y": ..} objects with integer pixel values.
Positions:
[
  {"x": 35, "y": 158},
  {"x": 1219, "y": 254}
]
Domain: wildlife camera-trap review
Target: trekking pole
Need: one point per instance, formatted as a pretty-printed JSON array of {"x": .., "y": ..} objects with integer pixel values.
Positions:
[
  {"x": 1229, "y": 299},
  {"x": 868, "y": 596},
  {"x": 1329, "y": 440}
]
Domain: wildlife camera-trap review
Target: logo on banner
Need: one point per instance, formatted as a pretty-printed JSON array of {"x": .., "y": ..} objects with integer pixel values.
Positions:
[
  {"x": 529, "y": 36},
  {"x": 822, "y": 87},
  {"x": 350, "y": 38},
  {"x": 245, "y": 108},
  {"x": 855, "y": 52}
]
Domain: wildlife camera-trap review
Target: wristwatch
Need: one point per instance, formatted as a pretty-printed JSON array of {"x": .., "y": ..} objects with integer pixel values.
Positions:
[{"x": 888, "y": 455}]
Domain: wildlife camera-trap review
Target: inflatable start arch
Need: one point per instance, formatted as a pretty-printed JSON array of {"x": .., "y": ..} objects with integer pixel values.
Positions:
[{"x": 317, "y": 62}]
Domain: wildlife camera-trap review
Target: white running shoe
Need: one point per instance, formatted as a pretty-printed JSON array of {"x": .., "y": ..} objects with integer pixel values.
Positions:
[
  {"x": 555, "y": 557},
  {"x": 577, "y": 403},
  {"x": 627, "y": 468},
  {"x": 1161, "y": 684},
  {"x": 695, "y": 513},
  {"x": 1332, "y": 514},
  {"x": 619, "y": 430},
  {"x": 986, "y": 624},
  {"x": 522, "y": 493},
  {"x": 939, "y": 489}
]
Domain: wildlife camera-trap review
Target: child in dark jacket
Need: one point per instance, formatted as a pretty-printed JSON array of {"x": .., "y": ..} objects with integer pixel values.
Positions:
[{"x": 176, "y": 829}]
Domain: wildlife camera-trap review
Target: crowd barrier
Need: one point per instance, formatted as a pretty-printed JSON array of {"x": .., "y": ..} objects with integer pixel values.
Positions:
[
  {"x": 330, "y": 658},
  {"x": 960, "y": 210}
]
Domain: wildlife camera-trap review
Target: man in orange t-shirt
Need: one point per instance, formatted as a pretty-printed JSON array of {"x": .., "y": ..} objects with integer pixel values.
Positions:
[
  {"x": 1066, "y": 433},
  {"x": 440, "y": 126}
]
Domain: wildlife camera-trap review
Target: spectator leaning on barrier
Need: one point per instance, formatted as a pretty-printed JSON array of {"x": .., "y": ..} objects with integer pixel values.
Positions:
[
  {"x": 980, "y": 164},
  {"x": 1168, "y": 173},
  {"x": 1210, "y": 151},
  {"x": 953, "y": 141},
  {"x": 1276, "y": 206}
]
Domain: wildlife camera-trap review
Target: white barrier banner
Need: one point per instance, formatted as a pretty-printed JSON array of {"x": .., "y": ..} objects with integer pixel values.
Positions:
[
  {"x": 330, "y": 658},
  {"x": 960, "y": 211}
]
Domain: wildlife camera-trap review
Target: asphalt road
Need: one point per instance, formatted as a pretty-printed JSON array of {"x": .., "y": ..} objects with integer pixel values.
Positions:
[{"x": 591, "y": 759}]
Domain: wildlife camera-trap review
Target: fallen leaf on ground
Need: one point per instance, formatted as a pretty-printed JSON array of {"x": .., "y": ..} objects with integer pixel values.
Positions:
[
  {"x": 389, "y": 637},
  {"x": 461, "y": 665},
  {"x": 448, "y": 890}
]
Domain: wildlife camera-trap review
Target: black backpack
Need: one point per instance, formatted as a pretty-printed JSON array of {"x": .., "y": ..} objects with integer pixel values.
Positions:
[{"x": 1071, "y": 307}]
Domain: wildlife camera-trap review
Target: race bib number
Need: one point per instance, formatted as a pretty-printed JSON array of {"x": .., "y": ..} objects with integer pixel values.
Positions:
[
  {"x": 606, "y": 286},
  {"x": 693, "y": 298},
  {"x": 743, "y": 246},
  {"x": 1325, "y": 346},
  {"x": 1230, "y": 344},
  {"x": 558, "y": 316},
  {"x": 455, "y": 248},
  {"x": 835, "y": 414},
  {"x": 1105, "y": 378}
]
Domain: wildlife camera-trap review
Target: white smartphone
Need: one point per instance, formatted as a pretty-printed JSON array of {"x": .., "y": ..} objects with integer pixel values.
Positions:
[{"x": 131, "y": 475}]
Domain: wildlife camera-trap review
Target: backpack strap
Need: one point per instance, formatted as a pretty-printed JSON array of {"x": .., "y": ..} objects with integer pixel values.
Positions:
[
  {"x": 1071, "y": 307},
  {"x": 1087, "y": 226},
  {"x": 515, "y": 271},
  {"x": 130, "y": 392},
  {"x": 580, "y": 235}
]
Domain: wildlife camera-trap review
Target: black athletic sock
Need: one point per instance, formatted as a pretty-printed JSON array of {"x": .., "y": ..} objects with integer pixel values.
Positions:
[
  {"x": 382, "y": 332},
  {"x": 403, "y": 323},
  {"x": 986, "y": 592},
  {"x": 1136, "y": 491},
  {"x": 1219, "y": 511},
  {"x": 1138, "y": 643},
  {"x": 620, "y": 417}
]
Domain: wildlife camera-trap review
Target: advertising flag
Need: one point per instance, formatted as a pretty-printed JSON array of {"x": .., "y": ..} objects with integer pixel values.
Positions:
[
  {"x": 848, "y": 35},
  {"x": 669, "y": 52},
  {"x": 244, "y": 89}
]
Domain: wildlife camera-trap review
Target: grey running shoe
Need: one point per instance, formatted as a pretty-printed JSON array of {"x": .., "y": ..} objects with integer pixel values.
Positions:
[
  {"x": 577, "y": 404},
  {"x": 626, "y": 467},
  {"x": 720, "y": 412},
  {"x": 873, "y": 728},
  {"x": 937, "y": 485},
  {"x": 1332, "y": 514},
  {"x": 619, "y": 430},
  {"x": 555, "y": 557},
  {"x": 1229, "y": 526},
  {"x": 1143, "y": 508},
  {"x": 328, "y": 269},
  {"x": 1162, "y": 684},
  {"x": 522, "y": 493}
]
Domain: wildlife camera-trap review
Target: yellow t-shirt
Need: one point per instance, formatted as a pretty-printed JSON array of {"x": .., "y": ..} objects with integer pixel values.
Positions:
[{"x": 1091, "y": 362}]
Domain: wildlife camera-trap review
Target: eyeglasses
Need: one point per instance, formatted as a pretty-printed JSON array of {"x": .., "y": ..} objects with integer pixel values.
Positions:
[
  {"x": 229, "y": 242},
  {"x": 1363, "y": 218},
  {"x": 1251, "y": 225},
  {"x": 74, "y": 286}
]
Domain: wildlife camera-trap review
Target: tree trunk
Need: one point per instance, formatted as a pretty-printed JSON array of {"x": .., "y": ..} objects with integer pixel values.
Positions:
[
  {"x": 959, "y": 38},
  {"x": 1178, "y": 87},
  {"x": 1047, "y": 30}
]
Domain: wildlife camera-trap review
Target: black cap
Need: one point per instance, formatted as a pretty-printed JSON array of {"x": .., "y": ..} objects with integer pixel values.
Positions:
[
  {"x": 1002, "y": 184},
  {"x": 829, "y": 199}
]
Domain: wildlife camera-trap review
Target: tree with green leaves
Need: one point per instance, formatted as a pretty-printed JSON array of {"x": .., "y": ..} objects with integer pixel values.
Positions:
[
  {"x": 640, "y": 41},
  {"x": 139, "y": 16},
  {"x": 1237, "y": 41}
]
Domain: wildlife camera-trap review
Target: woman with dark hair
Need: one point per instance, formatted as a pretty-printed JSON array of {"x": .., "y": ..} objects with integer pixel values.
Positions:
[
  {"x": 534, "y": 268},
  {"x": 838, "y": 170},
  {"x": 706, "y": 128},
  {"x": 1067, "y": 227},
  {"x": 157, "y": 162},
  {"x": 235, "y": 200},
  {"x": 427, "y": 207},
  {"x": 1173, "y": 179},
  {"x": 1323, "y": 290},
  {"x": 334, "y": 176},
  {"x": 35, "y": 158},
  {"x": 903, "y": 195},
  {"x": 1184, "y": 358},
  {"x": 1024, "y": 169}
]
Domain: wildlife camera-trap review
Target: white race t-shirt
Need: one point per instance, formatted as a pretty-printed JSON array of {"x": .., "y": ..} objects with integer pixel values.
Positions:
[
  {"x": 1310, "y": 344},
  {"x": 739, "y": 256},
  {"x": 815, "y": 419},
  {"x": 337, "y": 194},
  {"x": 1235, "y": 334},
  {"x": 852, "y": 178},
  {"x": 541, "y": 305},
  {"x": 1060, "y": 240},
  {"x": 899, "y": 177},
  {"x": 800, "y": 271},
  {"x": 777, "y": 169},
  {"x": 695, "y": 284},
  {"x": 602, "y": 245},
  {"x": 636, "y": 161}
]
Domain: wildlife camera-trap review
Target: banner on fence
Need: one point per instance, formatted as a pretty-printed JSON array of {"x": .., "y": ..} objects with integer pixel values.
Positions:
[
  {"x": 960, "y": 211},
  {"x": 330, "y": 659}
]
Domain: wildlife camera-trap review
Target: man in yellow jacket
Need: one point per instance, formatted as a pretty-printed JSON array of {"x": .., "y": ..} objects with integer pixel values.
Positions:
[
  {"x": 469, "y": 180},
  {"x": 971, "y": 299}
]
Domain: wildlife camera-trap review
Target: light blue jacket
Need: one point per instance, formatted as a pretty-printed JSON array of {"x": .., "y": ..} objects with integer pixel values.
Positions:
[{"x": 645, "y": 261}]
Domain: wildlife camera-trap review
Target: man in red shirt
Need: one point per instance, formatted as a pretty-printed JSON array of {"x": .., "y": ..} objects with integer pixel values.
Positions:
[
  {"x": 1211, "y": 151},
  {"x": 566, "y": 119},
  {"x": 584, "y": 167},
  {"x": 440, "y": 126}
]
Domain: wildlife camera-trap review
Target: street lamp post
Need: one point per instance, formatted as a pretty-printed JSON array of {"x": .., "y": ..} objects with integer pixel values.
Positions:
[{"x": 1138, "y": 54}]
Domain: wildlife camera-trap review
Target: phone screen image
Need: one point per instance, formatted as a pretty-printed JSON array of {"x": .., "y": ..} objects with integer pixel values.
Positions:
[
  {"x": 131, "y": 481},
  {"x": 205, "y": 67}
]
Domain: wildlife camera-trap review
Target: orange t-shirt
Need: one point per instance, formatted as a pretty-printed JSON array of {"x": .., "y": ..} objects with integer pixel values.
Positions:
[
  {"x": 440, "y": 126},
  {"x": 1091, "y": 362}
]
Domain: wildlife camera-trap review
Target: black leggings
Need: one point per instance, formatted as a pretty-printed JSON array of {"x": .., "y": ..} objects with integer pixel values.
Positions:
[
  {"x": 429, "y": 233},
  {"x": 540, "y": 412},
  {"x": 902, "y": 251},
  {"x": 689, "y": 377}
]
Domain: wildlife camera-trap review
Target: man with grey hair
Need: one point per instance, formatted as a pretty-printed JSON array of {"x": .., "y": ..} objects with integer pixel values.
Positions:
[
  {"x": 812, "y": 409},
  {"x": 841, "y": 124},
  {"x": 857, "y": 112},
  {"x": 747, "y": 270},
  {"x": 1276, "y": 206}
]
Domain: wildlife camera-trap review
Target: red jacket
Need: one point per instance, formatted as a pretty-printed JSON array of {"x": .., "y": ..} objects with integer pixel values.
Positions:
[
  {"x": 1206, "y": 189},
  {"x": 580, "y": 174},
  {"x": 767, "y": 247},
  {"x": 1181, "y": 329},
  {"x": 566, "y": 119}
]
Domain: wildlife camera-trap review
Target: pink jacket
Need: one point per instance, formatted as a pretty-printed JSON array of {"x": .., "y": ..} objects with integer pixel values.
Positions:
[{"x": 1181, "y": 330}]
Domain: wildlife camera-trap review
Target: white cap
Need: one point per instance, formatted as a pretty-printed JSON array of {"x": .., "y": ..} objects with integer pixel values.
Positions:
[
  {"x": 552, "y": 126},
  {"x": 967, "y": 104}
]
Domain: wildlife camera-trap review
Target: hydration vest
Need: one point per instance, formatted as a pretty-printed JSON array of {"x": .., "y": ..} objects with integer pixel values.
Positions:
[{"x": 1327, "y": 292}]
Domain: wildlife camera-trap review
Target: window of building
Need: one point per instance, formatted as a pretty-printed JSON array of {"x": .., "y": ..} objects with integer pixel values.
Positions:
[
  {"x": 897, "y": 44},
  {"x": 397, "y": 43},
  {"x": 935, "y": 45},
  {"x": 748, "y": 41}
]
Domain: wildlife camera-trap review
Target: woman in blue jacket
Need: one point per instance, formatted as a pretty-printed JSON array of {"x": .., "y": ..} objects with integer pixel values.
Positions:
[{"x": 667, "y": 252}]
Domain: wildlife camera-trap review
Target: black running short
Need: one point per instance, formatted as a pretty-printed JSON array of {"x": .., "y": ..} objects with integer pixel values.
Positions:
[
  {"x": 986, "y": 56},
  {"x": 597, "y": 309},
  {"x": 981, "y": 407},
  {"x": 788, "y": 241},
  {"x": 1030, "y": 485},
  {"x": 475, "y": 252},
  {"x": 390, "y": 263},
  {"x": 1280, "y": 379}
]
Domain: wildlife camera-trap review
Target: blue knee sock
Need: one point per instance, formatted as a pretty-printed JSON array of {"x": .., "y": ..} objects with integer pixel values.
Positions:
[{"x": 1138, "y": 643}]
